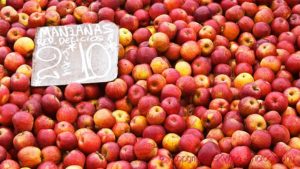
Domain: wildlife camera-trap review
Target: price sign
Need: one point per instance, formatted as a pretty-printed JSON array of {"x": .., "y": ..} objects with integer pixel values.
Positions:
[{"x": 86, "y": 53}]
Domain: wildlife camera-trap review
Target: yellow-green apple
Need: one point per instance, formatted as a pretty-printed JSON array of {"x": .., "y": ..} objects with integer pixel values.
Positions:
[
  {"x": 171, "y": 142},
  {"x": 160, "y": 41},
  {"x": 292, "y": 94},
  {"x": 52, "y": 18},
  {"x": 138, "y": 124},
  {"x": 194, "y": 122},
  {"x": 242, "y": 79},
  {"x": 206, "y": 46},
  {"x": 141, "y": 72},
  {"x": 184, "y": 68},
  {"x": 125, "y": 36},
  {"x": 185, "y": 160},
  {"x": 159, "y": 64}
]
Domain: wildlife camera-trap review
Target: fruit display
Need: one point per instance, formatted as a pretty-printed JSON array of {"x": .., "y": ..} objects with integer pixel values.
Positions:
[{"x": 202, "y": 84}]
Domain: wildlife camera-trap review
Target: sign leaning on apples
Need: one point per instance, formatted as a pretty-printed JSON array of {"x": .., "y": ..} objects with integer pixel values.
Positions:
[{"x": 86, "y": 53}]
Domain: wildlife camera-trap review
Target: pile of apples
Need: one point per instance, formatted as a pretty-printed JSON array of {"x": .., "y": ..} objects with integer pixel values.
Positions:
[{"x": 202, "y": 84}]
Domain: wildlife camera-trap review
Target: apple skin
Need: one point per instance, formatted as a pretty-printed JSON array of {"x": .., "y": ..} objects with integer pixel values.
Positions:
[
  {"x": 9, "y": 164},
  {"x": 47, "y": 164},
  {"x": 74, "y": 157},
  {"x": 185, "y": 159},
  {"x": 290, "y": 158},
  {"x": 257, "y": 142},
  {"x": 66, "y": 141},
  {"x": 231, "y": 125},
  {"x": 175, "y": 123},
  {"x": 51, "y": 153},
  {"x": 46, "y": 137},
  {"x": 207, "y": 153},
  {"x": 50, "y": 104},
  {"x": 241, "y": 162},
  {"x": 276, "y": 101},
  {"x": 95, "y": 160},
  {"x": 145, "y": 149},
  {"x": 222, "y": 160},
  {"x": 279, "y": 133},
  {"x": 22, "y": 121},
  {"x": 29, "y": 156}
]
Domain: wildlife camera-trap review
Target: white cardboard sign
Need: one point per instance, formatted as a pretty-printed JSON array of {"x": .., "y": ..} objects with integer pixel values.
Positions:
[{"x": 86, "y": 53}]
